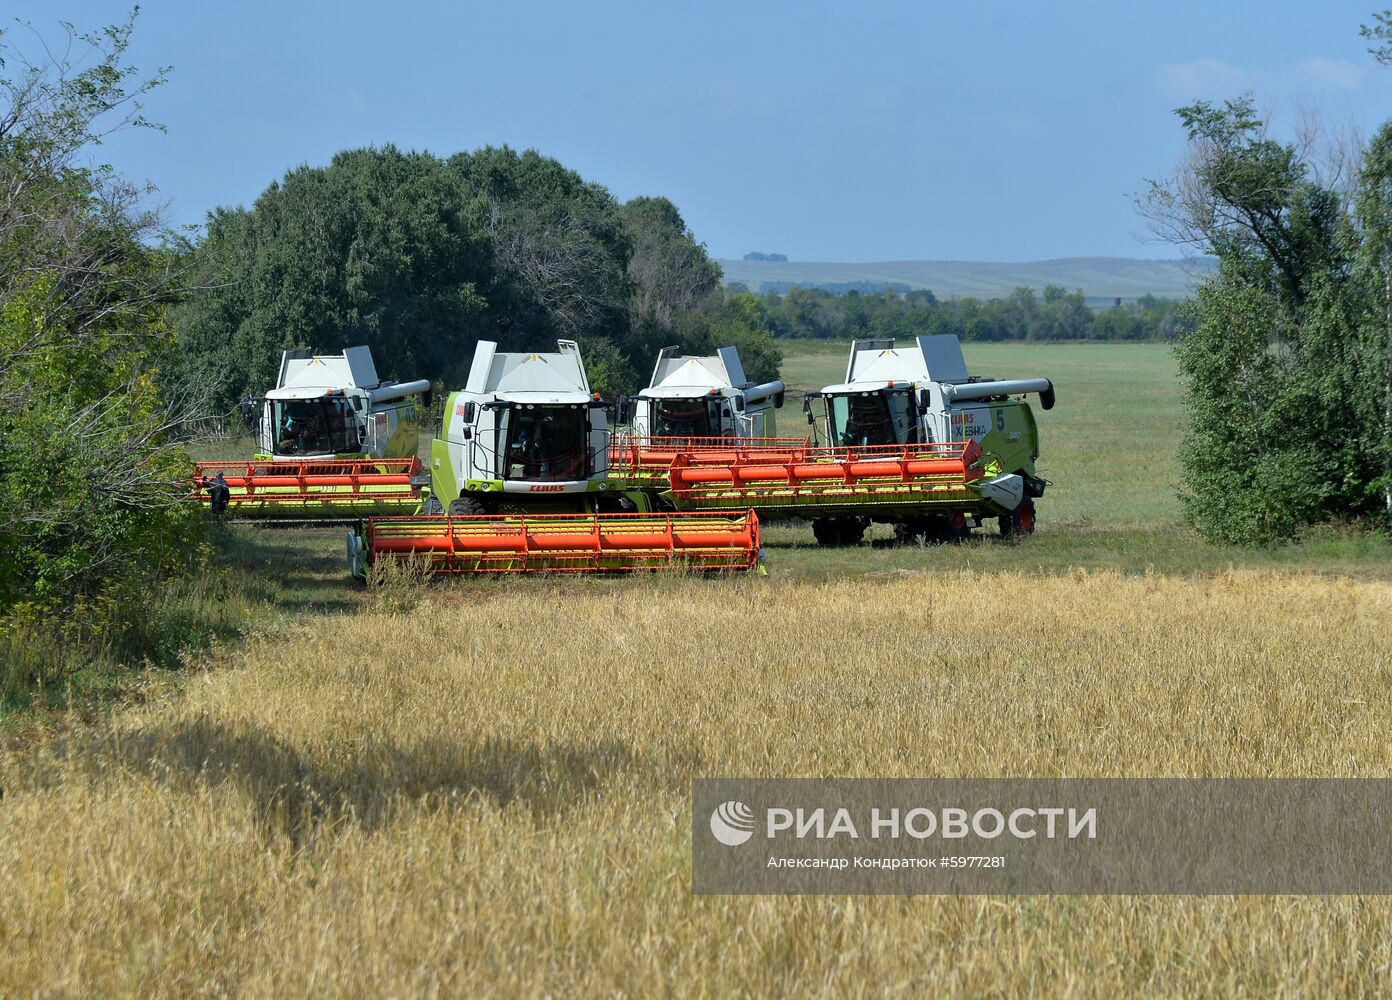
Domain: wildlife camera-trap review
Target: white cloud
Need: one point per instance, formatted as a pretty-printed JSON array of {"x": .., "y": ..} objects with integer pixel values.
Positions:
[
  {"x": 1330, "y": 73},
  {"x": 1208, "y": 77}
]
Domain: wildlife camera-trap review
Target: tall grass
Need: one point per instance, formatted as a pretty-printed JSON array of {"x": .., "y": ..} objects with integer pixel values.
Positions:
[
  {"x": 250, "y": 578},
  {"x": 488, "y": 793},
  {"x": 90, "y": 650}
]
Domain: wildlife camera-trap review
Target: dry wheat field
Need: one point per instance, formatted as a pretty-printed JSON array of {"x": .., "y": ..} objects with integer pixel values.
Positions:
[{"x": 483, "y": 789}]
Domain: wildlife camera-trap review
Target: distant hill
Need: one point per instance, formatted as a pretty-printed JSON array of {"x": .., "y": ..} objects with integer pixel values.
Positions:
[{"x": 1102, "y": 279}]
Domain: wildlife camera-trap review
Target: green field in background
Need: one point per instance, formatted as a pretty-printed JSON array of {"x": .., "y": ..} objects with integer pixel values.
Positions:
[{"x": 1102, "y": 279}]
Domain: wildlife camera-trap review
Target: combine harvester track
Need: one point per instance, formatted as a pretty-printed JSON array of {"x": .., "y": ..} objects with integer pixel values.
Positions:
[{"x": 607, "y": 543}]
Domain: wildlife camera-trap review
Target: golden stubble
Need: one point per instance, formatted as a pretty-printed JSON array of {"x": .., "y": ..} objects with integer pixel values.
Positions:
[{"x": 486, "y": 790}]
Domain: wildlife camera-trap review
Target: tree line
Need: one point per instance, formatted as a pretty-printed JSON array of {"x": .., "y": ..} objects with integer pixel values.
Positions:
[
  {"x": 1288, "y": 370},
  {"x": 419, "y": 256},
  {"x": 823, "y": 314}
]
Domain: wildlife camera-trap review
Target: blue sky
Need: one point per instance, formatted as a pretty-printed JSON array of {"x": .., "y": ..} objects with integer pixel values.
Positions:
[{"x": 826, "y": 131}]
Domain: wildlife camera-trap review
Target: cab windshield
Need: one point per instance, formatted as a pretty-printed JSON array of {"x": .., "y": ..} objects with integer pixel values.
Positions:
[
  {"x": 685, "y": 418},
  {"x": 861, "y": 419},
  {"x": 325, "y": 425},
  {"x": 547, "y": 443}
]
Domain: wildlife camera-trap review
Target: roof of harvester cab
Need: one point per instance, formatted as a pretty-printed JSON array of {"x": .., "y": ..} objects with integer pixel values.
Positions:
[
  {"x": 305, "y": 376},
  {"x": 533, "y": 377},
  {"x": 878, "y": 363}
]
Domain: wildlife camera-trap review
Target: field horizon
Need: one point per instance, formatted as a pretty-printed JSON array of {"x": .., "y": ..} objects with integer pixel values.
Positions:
[{"x": 1102, "y": 279}]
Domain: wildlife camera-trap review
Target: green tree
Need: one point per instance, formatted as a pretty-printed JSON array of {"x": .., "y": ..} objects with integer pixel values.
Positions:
[
  {"x": 1283, "y": 413},
  {"x": 93, "y": 494},
  {"x": 671, "y": 274},
  {"x": 1374, "y": 212},
  {"x": 558, "y": 244},
  {"x": 1252, "y": 472},
  {"x": 743, "y": 324},
  {"x": 611, "y": 372},
  {"x": 1380, "y": 32},
  {"x": 419, "y": 257},
  {"x": 381, "y": 248}
]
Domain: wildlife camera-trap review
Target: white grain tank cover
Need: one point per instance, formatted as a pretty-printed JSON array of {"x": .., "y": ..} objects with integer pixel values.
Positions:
[{"x": 942, "y": 358}]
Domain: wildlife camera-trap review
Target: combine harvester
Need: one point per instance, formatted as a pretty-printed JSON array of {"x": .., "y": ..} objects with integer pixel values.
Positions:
[
  {"x": 336, "y": 442},
  {"x": 921, "y": 399},
  {"x": 520, "y": 482}
]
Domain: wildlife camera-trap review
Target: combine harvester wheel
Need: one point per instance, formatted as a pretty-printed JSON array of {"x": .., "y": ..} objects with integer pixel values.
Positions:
[
  {"x": 1020, "y": 521},
  {"x": 565, "y": 543}
]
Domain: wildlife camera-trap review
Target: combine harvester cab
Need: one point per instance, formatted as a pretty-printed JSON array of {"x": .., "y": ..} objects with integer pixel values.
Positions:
[
  {"x": 336, "y": 442},
  {"x": 921, "y": 396},
  {"x": 520, "y": 483}
]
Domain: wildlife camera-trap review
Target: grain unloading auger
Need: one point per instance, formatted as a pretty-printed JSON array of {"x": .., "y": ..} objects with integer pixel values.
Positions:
[
  {"x": 336, "y": 442},
  {"x": 520, "y": 483}
]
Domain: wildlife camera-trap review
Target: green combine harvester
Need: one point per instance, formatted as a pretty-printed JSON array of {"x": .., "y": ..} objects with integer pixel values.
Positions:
[
  {"x": 336, "y": 443},
  {"x": 921, "y": 396},
  {"x": 520, "y": 481}
]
